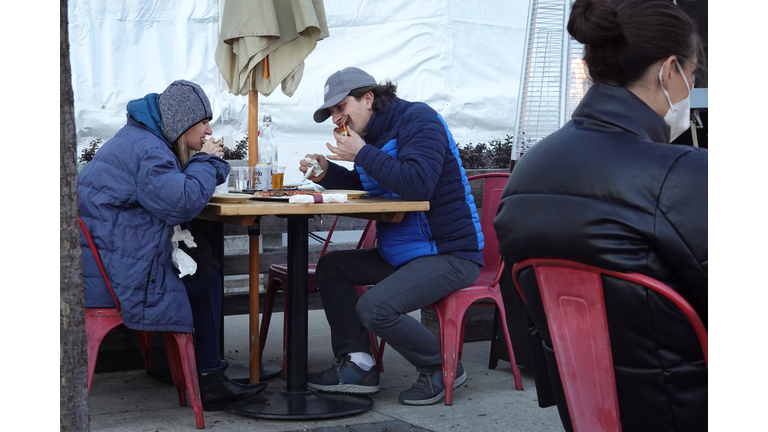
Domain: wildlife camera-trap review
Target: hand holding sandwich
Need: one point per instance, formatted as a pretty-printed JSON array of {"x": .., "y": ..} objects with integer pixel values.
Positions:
[{"x": 348, "y": 144}]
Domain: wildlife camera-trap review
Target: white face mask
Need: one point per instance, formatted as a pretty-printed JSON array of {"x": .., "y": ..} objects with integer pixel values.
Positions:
[{"x": 679, "y": 115}]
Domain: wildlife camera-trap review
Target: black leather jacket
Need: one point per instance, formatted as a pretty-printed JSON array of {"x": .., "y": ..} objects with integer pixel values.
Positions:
[{"x": 606, "y": 190}]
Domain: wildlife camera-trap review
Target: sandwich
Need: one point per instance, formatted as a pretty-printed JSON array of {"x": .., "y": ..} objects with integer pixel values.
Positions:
[{"x": 342, "y": 129}]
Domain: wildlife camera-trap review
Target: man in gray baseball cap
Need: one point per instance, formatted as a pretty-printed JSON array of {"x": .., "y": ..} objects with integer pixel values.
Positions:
[
  {"x": 399, "y": 149},
  {"x": 338, "y": 86}
]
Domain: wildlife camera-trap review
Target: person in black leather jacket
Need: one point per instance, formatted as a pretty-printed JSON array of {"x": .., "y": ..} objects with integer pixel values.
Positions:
[{"x": 608, "y": 190}]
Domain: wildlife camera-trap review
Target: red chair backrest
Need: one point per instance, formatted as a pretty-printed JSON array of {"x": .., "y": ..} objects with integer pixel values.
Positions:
[
  {"x": 572, "y": 296},
  {"x": 494, "y": 186},
  {"x": 98, "y": 261}
]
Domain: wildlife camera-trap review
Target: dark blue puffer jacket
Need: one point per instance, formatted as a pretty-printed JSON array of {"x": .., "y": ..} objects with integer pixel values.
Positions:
[
  {"x": 131, "y": 195},
  {"x": 413, "y": 156}
]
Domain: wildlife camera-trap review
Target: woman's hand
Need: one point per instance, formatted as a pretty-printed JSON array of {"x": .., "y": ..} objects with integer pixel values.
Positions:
[
  {"x": 304, "y": 166},
  {"x": 213, "y": 147}
]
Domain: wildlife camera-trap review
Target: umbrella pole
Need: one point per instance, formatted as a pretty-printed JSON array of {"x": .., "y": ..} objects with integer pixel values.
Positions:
[{"x": 253, "y": 238}]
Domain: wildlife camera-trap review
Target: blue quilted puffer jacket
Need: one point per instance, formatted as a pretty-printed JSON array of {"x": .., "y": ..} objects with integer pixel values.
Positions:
[
  {"x": 131, "y": 195},
  {"x": 413, "y": 156}
]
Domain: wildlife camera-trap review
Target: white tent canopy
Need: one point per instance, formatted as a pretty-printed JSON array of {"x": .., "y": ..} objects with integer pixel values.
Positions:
[{"x": 462, "y": 58}]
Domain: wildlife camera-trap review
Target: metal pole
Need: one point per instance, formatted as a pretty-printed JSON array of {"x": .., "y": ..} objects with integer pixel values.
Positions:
[
  {"x": 525, "y": 72},
  {"x": 297, "y": 307}
]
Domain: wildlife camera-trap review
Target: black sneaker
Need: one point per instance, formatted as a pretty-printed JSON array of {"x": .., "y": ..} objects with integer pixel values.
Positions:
[
  {"x": 429, "y": 388},
  {"x": 345, "y": 377}
]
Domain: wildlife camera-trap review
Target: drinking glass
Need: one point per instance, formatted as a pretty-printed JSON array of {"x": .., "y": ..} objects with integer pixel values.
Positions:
[
  {"x": 243, "y": 178},
  {"x": 278, "y": 173}
]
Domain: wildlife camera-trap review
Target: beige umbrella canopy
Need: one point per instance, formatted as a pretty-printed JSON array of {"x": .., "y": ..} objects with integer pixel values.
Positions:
[
  {"x": 285, "y": 30},
  {"x": 263, "y": 43}
]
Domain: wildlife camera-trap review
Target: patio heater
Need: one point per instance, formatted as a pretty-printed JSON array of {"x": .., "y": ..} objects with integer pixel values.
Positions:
[{"x": 554, "y": 77}]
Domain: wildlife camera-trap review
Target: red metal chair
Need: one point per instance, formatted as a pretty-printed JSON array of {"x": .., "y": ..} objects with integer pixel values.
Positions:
[
  {"x": 180, "y": 346},
  {"x": 572, "y": 295},
  {"x": 451, "y": 309},
  {"x": 277, "y": 278}
]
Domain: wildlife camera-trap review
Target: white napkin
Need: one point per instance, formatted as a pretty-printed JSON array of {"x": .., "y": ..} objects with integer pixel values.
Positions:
[
  {"x": 311, "y": 199},
  {"x": 179, "y": 258},
  {"x": 315, "y": 170}
]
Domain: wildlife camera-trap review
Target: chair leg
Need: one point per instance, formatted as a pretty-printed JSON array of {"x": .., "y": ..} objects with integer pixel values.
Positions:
[
  {"x": 266, "y": 315},
  {"x": 186, "y": 349},
  {"x": 375, "y": 348},
  {"x": 450, "y": 334},
  {"x": 284, "y": 372},
  {"x": 515, "y": 370},
  {"x": 177, "y": 369},
  {"x": 145, "y": 343},
  {"x": 493, "y": 358},
  {"x": 96, "y": 327},
  {"x": 380, "y": 355}
]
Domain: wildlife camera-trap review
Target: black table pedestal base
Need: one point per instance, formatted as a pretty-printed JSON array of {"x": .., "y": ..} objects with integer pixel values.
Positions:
[
  {"x": 239, "y": 373},
  {"x": 301, "y": 405}
]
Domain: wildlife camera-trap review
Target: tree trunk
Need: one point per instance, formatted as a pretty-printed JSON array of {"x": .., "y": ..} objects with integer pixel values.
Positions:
[{"x": 73, "y": 366}]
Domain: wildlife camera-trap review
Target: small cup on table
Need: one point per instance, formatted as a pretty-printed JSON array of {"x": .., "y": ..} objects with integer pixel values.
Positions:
[
  {"x": 278, "y": 174},
  {"x": 243, "y": 177}
]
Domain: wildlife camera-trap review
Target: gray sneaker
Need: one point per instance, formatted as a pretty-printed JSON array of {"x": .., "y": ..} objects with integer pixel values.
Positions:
[
  {"x": 345, "y": 377},
  {"x": 429, "y": 388}
]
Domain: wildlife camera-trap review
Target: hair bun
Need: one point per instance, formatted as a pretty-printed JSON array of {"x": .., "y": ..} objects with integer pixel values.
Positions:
[{"x": 593, "y": 21}]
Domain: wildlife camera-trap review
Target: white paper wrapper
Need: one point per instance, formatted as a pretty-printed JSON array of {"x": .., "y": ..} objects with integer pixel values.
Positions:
[
  {"x": 179, "y": 258},
  {"x": 311, "y": 199}
]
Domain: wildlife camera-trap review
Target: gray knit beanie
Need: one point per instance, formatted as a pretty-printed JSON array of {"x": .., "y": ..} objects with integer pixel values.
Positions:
[{"x": 182, "y": 105}]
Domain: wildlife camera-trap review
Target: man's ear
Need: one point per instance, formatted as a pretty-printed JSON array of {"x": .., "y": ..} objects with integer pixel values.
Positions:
[{"x": 368, "y": 96}]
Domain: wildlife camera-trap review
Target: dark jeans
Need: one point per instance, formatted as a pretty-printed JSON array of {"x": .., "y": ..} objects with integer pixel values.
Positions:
[
  {"x": 383, "y": 309},
  {"x": 204, "y": 292}
]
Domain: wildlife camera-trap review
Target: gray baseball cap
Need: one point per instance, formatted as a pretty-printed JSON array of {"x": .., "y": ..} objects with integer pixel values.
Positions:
[{"x": 338, "y": 86}]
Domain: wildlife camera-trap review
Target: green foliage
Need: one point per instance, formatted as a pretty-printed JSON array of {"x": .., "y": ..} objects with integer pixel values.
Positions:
[
  {"x": 88, "y": 152},
  {"x": 495, "y": 153},
  {"x": 240, "y": 152}
]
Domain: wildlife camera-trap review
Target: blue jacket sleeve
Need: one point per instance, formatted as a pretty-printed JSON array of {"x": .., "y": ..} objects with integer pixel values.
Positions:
[
  {"x": 175, "y": 196},
  {"x": 422, "y": 143},
  {"x": 339, "y": 177}
]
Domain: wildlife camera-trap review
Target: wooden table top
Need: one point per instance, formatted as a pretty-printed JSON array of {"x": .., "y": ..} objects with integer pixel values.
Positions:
[{"x": 385, "y": 209}]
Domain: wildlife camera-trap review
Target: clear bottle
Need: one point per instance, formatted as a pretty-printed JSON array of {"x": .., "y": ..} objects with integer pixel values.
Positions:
[{"x": 267, "y": 144}]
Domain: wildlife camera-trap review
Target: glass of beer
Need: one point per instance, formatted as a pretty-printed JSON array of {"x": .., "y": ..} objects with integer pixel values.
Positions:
[{"x": 278, "y": 173}]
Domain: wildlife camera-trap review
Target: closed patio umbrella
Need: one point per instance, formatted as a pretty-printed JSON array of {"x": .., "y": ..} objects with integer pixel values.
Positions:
[
  {"x": 263, "y": 43},
  {"x": 285, "y": 31}
]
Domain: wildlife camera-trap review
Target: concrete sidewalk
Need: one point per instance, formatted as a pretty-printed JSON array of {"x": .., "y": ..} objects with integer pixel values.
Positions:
[{"x": 488, "y": 401}]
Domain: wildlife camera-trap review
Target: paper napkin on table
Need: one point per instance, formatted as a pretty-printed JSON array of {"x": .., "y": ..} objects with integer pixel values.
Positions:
[{"x": 310, "y": 199}]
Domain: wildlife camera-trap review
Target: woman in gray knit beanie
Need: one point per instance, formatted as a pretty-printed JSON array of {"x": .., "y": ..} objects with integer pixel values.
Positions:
[
  {"x": 185, "y": 113},
  {"x": 136, "y": 197}
]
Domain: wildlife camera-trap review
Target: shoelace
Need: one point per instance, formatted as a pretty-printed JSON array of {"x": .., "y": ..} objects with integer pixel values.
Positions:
[
  {"x": 424, "y": 381},
  {"x": 337, "y": 362}
]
